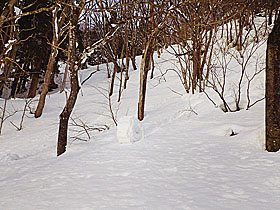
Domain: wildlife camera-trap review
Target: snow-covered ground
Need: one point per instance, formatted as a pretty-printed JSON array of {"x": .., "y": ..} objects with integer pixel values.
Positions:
[{"x": 187, "y": 159}]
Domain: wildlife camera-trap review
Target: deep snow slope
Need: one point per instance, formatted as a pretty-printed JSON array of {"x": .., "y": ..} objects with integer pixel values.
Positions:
[{"x": 187, "y": 160}]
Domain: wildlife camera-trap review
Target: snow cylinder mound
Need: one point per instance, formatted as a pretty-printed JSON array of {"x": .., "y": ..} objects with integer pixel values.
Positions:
[{"x": 129, "y": 130}]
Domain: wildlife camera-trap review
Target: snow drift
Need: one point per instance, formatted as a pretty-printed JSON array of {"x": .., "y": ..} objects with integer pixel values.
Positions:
[{"x": 129, "y": 130}]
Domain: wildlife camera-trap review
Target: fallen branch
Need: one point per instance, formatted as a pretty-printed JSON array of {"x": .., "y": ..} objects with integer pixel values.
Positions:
[{"x": 92, "y": 73}]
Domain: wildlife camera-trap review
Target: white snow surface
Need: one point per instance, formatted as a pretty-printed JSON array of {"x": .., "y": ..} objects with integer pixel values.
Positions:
[{"x": 187, "y": 160}]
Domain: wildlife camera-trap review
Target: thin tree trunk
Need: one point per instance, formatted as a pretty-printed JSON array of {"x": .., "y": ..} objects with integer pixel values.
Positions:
[
  {"x": 70, "y": 103},
  {"x": 49, "y": 70},
  {"x": 14, "y": 87},
  {"x": 273, "y": 90},
  {"x": 143, "y": 81},
  {"x": 35, "y": 80},
  {"x": 133, "y": 47},
  {"x": 142, "y": 95},
  {"x": 8, "y": 66},
  {"x": 133, "y": 60},
  {"x": 45, "y": 88},
  {"x": 152, "y": 66},
  {"x": 184, "y": 74},
  {"x": 145, "y": 62},
  {"x": 65, "y": 73},
  {"x": 4, "y": 111},
  {"x": 208, "y": 43},
  {"x": 113, "y": 81},
  {"x": 195, "y": 65},
  {"x": 121, "y": 76},
  {"x": 33, "y": 86},
  {"x": 126, "y": 57}
]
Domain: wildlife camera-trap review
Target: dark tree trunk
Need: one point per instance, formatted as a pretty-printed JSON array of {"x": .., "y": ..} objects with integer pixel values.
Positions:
[
  {"x": 8, "y": 67},
  {"x": 113, "y": 81},
  {"x": 35, "y": 80},
  {"x": 152, "y": 66},
  {"x": 70, "y": 103},
  {"x": 14, "y": 87},
  {"x": 33, "y": 86},
  {"x": 273, "y": 90},
  {"x": 133, "y": 59}
]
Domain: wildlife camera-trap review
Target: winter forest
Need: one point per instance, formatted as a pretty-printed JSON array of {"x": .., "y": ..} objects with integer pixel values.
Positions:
[{"x": 120, "y": 104}]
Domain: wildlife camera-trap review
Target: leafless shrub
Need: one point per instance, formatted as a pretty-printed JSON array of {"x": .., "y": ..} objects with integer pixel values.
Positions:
[
  {"x": 5, "y": 113},
  {"x": 111, "y": 112},
  {"x": 258, "y": 70},
  {"x": 229, "y": 60},
  {"x": 84, "y": 131},
  {"x": 26, "y": 105}
]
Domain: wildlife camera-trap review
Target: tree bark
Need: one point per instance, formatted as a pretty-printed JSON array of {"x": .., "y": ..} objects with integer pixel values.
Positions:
[{"x": 272, "y": 93}]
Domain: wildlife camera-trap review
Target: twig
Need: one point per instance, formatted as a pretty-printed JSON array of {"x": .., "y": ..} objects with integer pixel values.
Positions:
[
  {"x": 92, "y": 73},
  {"x": 257, "y": 101},
  {"x": 175, "y": 91}
]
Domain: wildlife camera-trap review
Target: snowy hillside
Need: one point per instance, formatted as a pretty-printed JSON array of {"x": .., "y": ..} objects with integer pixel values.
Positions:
[{"x": 193, "y": 155}]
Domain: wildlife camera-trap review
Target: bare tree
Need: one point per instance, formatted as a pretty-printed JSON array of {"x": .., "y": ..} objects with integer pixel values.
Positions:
[{"x": 73, "y": 67}]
